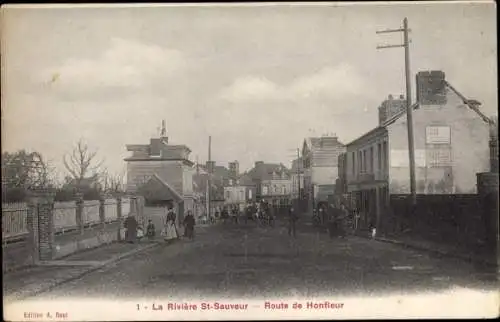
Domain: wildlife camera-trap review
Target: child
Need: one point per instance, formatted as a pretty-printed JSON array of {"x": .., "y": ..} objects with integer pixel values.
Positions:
[{"x": 150, "y": 230}]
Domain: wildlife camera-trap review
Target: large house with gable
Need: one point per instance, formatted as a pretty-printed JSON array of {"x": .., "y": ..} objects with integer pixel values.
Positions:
[
  {"x": 320, "y": 167},
  {"x": 162, "y": 173},
  {"x": 451, "y": 138}
]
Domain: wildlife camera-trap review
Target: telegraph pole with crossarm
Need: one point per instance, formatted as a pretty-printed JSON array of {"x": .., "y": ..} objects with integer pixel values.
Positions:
[{"x": 409, "y": 114}]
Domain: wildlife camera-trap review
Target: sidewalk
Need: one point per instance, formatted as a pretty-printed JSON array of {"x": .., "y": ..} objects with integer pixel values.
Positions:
[
  {"x": 32, "y": 281},
  {"x": 17, "y": 254},
  {"x": 434, "y": 247}
]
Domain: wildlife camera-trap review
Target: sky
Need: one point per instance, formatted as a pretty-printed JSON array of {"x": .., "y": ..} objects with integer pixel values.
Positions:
[{"x": 257, "y": 78}]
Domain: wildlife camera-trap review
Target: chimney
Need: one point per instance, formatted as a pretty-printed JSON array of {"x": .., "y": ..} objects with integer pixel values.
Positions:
[
  {"x": 431, "y": 88},
  {"x": 163, "y": 132}
]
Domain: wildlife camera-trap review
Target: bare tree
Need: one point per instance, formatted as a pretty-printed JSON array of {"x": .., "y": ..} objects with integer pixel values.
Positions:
[
  {"x": 112, "y": 182},
  {"x": 81, "y": 163}
]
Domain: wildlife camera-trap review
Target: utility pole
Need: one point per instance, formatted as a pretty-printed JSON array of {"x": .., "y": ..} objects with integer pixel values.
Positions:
[
  {"x": 298, "y": 178},
  {"x": 409, "y": 114},
  {"x": 209, "y": 186}
]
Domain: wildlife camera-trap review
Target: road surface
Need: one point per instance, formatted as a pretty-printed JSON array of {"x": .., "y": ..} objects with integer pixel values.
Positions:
[{"x": 245, "y": 261}]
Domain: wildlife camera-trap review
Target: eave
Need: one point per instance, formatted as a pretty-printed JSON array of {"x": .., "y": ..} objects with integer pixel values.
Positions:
[{"x": 184, "y": 161}]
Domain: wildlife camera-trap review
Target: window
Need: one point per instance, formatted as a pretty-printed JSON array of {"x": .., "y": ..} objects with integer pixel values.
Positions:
[
  {"x": 364, "y": 161},
  {"x": 385, "y": 159},
  {"x": 379, "y": 157},
  {"x": 353, "y": 163},
  {"x": 264, "y": 190},
  {"x": 372, "y": 170},
  {"x": 360, "y": 162},
  {"x": 228, "y": 195}
]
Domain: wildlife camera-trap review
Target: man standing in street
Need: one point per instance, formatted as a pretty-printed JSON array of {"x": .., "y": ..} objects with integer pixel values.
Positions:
[
  {"x": 292, "y": 220},
  {"x": 189, "y": 223}
]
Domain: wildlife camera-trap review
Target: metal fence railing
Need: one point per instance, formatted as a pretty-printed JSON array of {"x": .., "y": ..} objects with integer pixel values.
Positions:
[
  {"x": 65, "y": 216},
  {"x": 90, "y": 214},
  {"x": 14, "y": 220},
  {"x": 14, "y": 216}
]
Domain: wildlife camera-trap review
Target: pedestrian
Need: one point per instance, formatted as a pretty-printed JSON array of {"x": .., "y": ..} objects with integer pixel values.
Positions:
[
  {"x": 332, "y": 221},
  {"x": 150, "y": 230},
  {"x": 170, "y": 228},
  {"x": 257, "y": 215},
  {"x": 292, "y": 220},
  {"x": 341, "y": 221},
  {"x": 131, "y": 226},
  {"x": 235, "y": 214},
  {"x": 189, "y": 223}
]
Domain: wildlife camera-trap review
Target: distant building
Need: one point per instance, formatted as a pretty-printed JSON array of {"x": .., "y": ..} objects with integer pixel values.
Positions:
[
  {"x": 162, "y": 173},
  {"x": 240, "y": 192},
  {"x": 391, "y": 107},
  {"x": 273, "y": 183},
  {"x": 320, "y": 162},
  {"x": 219, "y": 177},
  {"x": 451, "y": 145}
]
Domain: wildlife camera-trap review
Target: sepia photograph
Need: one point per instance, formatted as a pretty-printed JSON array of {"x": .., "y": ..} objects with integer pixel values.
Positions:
[{"x": 250, "y": 161}]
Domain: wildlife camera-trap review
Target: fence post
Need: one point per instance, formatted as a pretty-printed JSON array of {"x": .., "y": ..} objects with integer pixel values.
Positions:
[
  {"x": 79, "y": 212},
  {"x": 41, "y": 224},
  {"x": 102, "y": 215},
  {"x": 119, "y": 217}
]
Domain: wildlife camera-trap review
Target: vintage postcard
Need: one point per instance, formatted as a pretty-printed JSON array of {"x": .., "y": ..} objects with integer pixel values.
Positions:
[{"x": 249, "y": 161}]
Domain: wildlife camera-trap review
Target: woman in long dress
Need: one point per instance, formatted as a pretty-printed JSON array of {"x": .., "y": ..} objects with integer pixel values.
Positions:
[
  {"x": 131, "y": 226},
  {"x": 170, "y": 228}
]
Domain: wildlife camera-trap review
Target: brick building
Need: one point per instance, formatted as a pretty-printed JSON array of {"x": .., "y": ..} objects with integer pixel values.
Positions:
[{"x": 451, "y": 145}]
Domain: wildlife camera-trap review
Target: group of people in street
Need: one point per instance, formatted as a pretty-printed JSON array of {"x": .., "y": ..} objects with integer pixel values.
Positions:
[
  {"x": 261, "y": 213},
  {"x": 169, "y": 232},
  {"x": 333, "y": 217},
  {"x": 337, "y": 217}
]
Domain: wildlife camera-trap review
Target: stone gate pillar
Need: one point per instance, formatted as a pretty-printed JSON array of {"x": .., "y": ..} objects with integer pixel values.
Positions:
[
  {"x": 79, "y": 212},
  {"x": 102, "y": 215},
  {"x": 41, "y": 224}
]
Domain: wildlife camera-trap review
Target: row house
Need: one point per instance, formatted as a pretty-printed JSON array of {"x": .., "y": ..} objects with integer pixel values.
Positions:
[
  {"x": 240, "y": 192},
  {"x": 272, "y": 183},
  {"x": 162, "y": 173},
  {"x": 320, "y": 166},
  {"x": 451, "y": 139}
]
